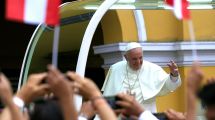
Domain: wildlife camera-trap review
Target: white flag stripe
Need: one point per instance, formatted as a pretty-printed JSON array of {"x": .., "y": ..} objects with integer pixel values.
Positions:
[
  {"x": 35, "y": 11},
  {"x": 178, "y": 8}
]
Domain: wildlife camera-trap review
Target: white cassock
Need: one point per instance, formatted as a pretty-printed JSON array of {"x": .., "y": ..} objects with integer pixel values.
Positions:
[{"x": 147, "y": 83}]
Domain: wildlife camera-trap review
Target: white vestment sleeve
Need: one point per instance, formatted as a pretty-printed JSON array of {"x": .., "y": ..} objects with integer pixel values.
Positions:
[
  {"x": 147, "y": 115},
  {"x": 171, "y": 84}
]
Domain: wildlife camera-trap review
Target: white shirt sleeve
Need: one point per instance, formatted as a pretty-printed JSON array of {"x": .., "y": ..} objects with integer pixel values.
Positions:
[{"x": 147, "y": 115}]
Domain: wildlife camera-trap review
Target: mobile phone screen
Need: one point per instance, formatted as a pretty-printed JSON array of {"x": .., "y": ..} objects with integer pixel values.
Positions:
[
  {"x": 111, "y": 100},
  {"x": 160, "y": 116}
]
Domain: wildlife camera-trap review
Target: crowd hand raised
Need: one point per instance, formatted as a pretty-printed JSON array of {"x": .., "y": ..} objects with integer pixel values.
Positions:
[
  {"x": 173, "y": 68},
  {"x": 195, "y": 77},
  {"x": 58, "y": 83},
  {"x": 33, "y": 88},
  {"x": 6, "y": 94},
  {"x": 84, "y": 86},
  {"x": 174, "y": 115},
  {"x": 11, "y": 111},
  {"x": 60, "y": 86},
  {"x": 130, "y": 107},
  {"x": 194, "y": 80}
]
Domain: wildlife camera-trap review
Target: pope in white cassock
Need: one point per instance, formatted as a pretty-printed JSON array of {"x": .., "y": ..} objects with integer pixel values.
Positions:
[{"x": 143, "y": 79}]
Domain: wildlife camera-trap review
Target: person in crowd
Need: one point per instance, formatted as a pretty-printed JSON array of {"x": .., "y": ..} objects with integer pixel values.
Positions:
[
  {"x": 141, "y": 78},
  {"x": 207, "y": 97},
  {"x": 45, "y": 109}
]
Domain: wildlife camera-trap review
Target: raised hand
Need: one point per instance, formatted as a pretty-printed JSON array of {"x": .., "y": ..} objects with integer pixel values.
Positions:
[
  {"x": 33, "y": 88},
  {"x": 84, "y": 86},
  {"x": 195, "y": 77},
  {"x": 173, "y": 68},
  {"x": 61, "y": 88},
  {"x": 59, "y": 83}
]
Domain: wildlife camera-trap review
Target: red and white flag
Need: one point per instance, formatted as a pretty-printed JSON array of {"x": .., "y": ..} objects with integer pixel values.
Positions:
[
  {"x": 179, "y": 8},
  {"x": 33, "y": 11}
]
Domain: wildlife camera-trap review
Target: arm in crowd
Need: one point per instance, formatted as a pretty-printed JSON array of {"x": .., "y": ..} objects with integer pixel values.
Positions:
[
  {"x": 88, "y": 89},
  {"x": 194, "y": 79},
  {"x": 11, "y": 111},
  {"x": 61, "y": 87}
]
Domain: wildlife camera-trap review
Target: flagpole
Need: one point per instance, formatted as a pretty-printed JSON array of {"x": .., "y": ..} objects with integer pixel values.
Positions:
[
  {"x": 55, "y": 46},
  {"x": 193, "y": 40}
]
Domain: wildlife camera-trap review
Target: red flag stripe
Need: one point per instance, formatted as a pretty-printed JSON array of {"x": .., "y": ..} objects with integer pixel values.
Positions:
[
  {"x": 170, "y": 2},
  {"x": 15, "y": 9},
  {"x": 180, "y": 8},
  {"x": 52, "y": 12},
  {"x": 20, "y": 10},
  {"x": 185, "y": 11}
]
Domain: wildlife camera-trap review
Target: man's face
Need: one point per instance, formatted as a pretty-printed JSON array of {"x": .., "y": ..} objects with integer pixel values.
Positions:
[
  {"x": 135, "y": 58},
  {"x": 210, "y": 113}
]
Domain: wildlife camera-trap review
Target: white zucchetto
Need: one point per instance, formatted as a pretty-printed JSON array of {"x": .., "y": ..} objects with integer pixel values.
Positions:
[{"x": 132, "y": 45}]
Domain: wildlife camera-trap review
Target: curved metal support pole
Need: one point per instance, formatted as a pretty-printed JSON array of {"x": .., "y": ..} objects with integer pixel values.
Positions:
[
  {"x": 141, "y": 29},
  {"x": 28, "y": 53},
  {"x": 85, "y": 46}
]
